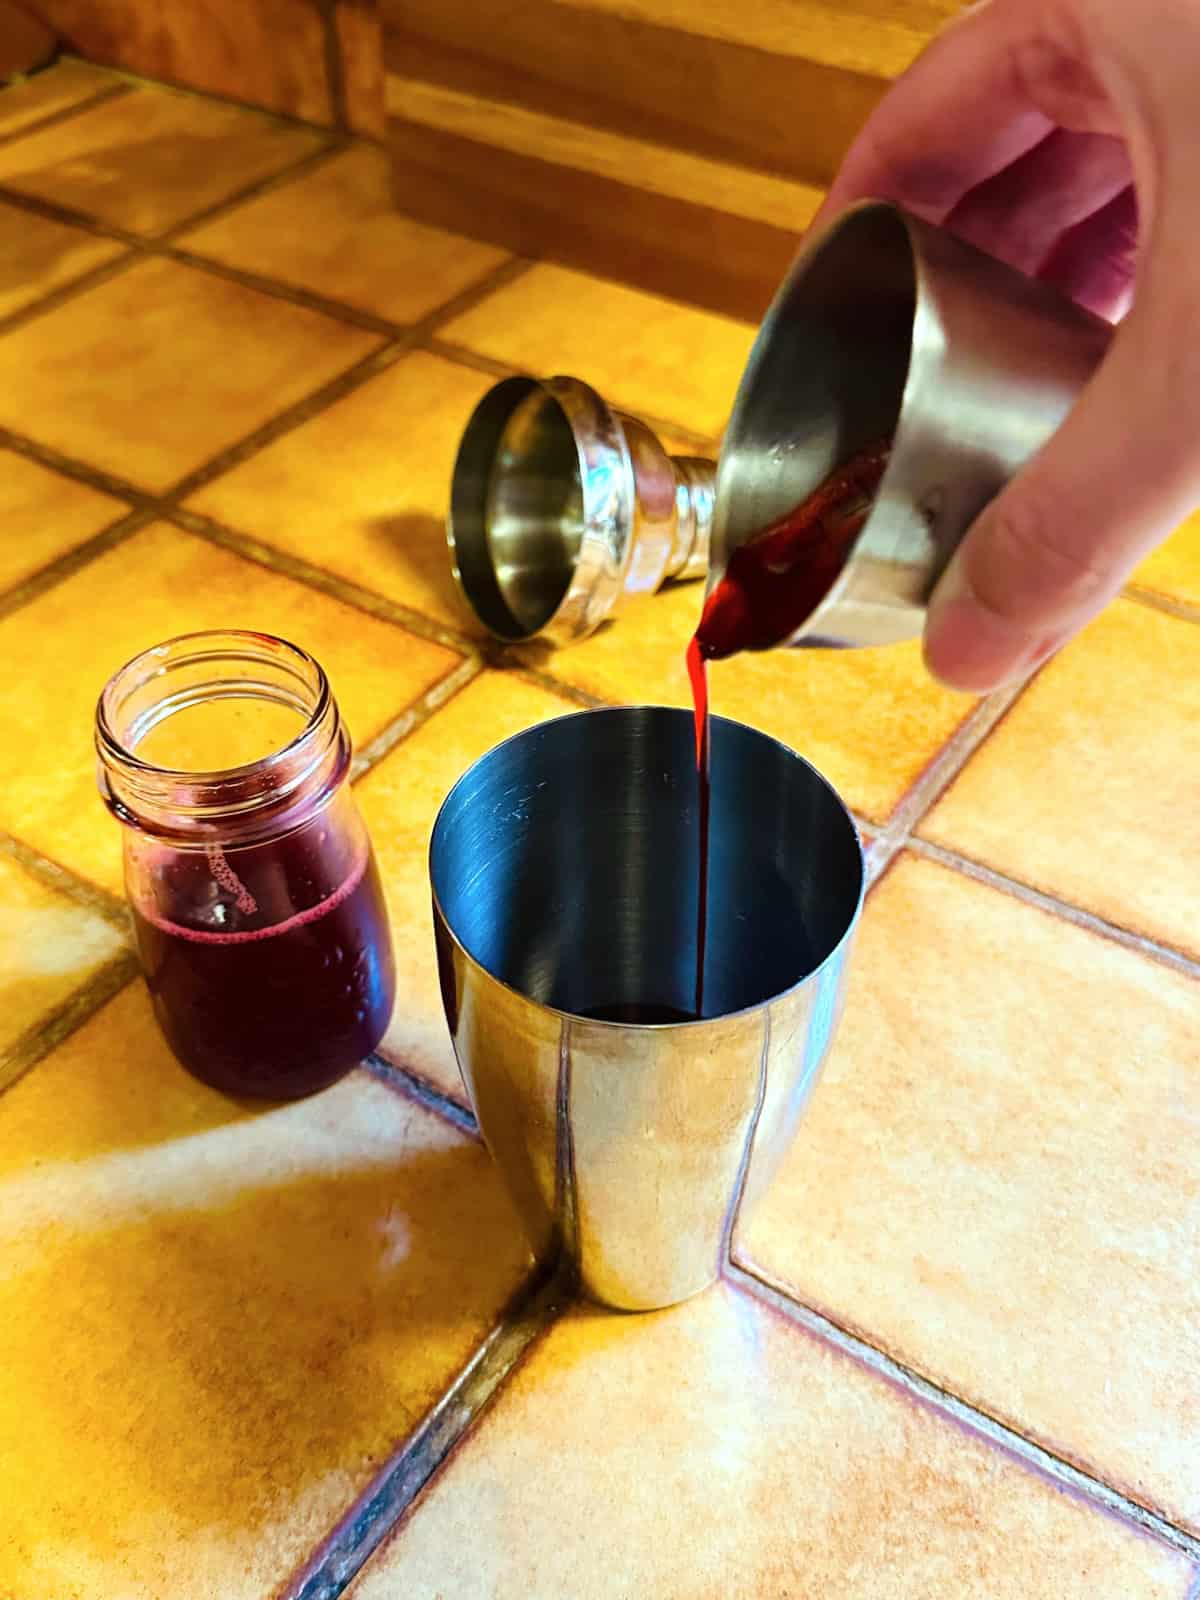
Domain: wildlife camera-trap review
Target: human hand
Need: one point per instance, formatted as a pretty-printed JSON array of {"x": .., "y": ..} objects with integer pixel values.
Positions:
[{"x": 1056, "y": 134}]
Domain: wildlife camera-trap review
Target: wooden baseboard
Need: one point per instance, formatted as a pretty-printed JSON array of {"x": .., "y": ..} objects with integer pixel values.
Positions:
[
  {"x": 681, "y": 145},
  {"x": 662, "y": 220}
]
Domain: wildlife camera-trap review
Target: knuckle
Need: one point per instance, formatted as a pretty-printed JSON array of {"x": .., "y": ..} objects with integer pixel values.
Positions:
[{"x": 1034, "y": 561}]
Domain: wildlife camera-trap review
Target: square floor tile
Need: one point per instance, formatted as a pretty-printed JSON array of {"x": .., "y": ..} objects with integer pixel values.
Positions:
[
  {"x": 363, "y": 489},
  {"x": 400, "y": 799},
  {"x": 999, "y": 1177},
  {"x": 870, "y": 720},
  {"x": 39, "y": 255},
  {"x": 150, "y": 158},
  {"x": 1174, "y": 568},
  {"x": 338, "y": 232},
  {"x": 49, "y": 946},
  {"x": 641, "y": 352},
  {"x": 45, "y": 93},
  {"x": 216, "y": 1322},
  {"x": 57, "y": 653},
  {"x": 717, "y": 1450},
  {"x": 44, "y": 515},
  {"x": 1086, "y": 787},
  {"x": 150, "y": 375}
]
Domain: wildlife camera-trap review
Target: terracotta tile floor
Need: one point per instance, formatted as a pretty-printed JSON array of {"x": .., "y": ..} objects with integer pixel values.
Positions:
[{"x": 236, "y": 1342}]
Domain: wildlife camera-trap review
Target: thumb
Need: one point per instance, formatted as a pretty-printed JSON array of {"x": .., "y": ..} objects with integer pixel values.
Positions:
[{"x": 1059, "y": 541}]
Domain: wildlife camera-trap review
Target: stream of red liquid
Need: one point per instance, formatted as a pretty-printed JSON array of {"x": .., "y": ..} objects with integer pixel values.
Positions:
[{"x": 772, "y": 583}]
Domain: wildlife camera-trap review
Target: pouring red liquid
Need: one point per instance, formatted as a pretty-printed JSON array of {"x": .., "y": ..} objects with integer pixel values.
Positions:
[{"x": 772, "y": 583}]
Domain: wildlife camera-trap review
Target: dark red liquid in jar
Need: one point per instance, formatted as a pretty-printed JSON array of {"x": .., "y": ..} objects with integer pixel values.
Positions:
[
  {"x": 773, "y": 583},
  {"x": 270, "y": 967}
]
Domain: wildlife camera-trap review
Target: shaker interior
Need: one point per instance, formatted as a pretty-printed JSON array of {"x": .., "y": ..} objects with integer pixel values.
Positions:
[{"x": 565, "y": 862}]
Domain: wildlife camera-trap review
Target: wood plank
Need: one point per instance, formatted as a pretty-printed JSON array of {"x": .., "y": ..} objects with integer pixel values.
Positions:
[
  {"x": 783, "y": 203},
  {"x": 589, "y": 218},
  {"x": 879, "y": 37},
  {"x": 721, "y": 99}
]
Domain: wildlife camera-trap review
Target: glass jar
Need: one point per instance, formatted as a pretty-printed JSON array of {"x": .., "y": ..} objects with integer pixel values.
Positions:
[{"x": 256, "y": 900}]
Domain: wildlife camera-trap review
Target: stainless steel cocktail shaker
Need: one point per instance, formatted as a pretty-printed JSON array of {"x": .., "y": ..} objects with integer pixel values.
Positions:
[{"x": 563, "y": 869}]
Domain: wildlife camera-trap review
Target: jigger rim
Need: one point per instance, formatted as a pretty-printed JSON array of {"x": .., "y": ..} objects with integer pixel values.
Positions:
[
  {"x": 604, "y": 476},
  {"x": 825, "y": 240},
  {"x": 813, "y": 973}
]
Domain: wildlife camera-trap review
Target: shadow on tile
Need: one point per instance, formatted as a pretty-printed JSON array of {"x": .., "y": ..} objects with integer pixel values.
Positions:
[
  {"x": 151, "y": 158},
  {"x": 247, "y": 1320},
  {"x": 416, "y": 544},
  {"x": 41, "y": 255},
  {"x": 44, "y": 94}
]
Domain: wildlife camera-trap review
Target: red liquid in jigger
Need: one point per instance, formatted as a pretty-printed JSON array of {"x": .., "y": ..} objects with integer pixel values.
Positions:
[
  {"x": 772, "y": 583},
  {"x": 267, "y": 979}
]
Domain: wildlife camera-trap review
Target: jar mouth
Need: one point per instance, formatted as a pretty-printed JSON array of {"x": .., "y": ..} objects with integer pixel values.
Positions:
[{"x": 220, "y": 672}]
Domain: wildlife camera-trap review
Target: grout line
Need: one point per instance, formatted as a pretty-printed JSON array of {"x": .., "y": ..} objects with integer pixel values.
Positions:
[
  {"x": 1183, "y": 609},
  {"x": 301, "y": 571},
  {"x": 95, "y": 477},
  {"x": 51, "y": 1030},
  {"x": 421, "y": 333},
  {"x": 1059, "y": 1471},
  {"x": 66, "y": 292},
  {"x": 488, "y": 283},
  {"x": 307, "y": 299},
  {"x": 415, "y": 716},
  {"x": 63, "y": 881},
  {"x": 979, "y": 723},
  {"x": 301, "y": 411},
  {"x": 55, "y": 211},
  {"x": 112, "y": 91},
  {"x": 145, "y": 247},
  {"x": 1165, "y": 954},
  {"x": 333, "y": 145},
  {"x": 73, "y": 560},
  {"x": 258, "y": 439},
  {"x": 410, "y": 1084},
  {"x": 463, "y": 356},
  {"x": 345, "y": 383},
  {"x": 505, "y": 659},
  {"x": 186, "y": 91},
  {"x": 381, "y": 1506},
  {"x": 163, "y": 240}
]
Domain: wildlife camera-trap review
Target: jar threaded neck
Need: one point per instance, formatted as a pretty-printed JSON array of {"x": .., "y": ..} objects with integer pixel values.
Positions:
[{"x": 227, "y": 675}]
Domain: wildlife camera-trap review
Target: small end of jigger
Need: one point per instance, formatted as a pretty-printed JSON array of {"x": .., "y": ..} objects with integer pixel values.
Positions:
[{"x": 562, "y": 510}]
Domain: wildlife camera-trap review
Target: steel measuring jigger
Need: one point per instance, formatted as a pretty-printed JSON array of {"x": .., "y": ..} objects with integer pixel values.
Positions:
[
  {"x": 564, "y": 875},
  {"x": 885, "y": 328},
  {"x": 562, "y": 510}
]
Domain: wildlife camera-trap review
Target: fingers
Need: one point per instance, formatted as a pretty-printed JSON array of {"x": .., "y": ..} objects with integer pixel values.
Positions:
[
  {"x": 1060, "y": 540},
  {"x": 1094, "y": 261},
  {"x": 1022, "y": 212},
  {"x": 957, "y": 116}
]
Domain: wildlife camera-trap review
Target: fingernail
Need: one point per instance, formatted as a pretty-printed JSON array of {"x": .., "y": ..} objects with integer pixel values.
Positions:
[{"x": 967, "y": 645}]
